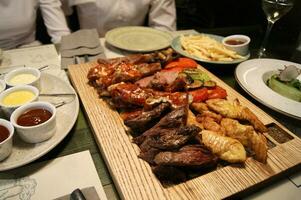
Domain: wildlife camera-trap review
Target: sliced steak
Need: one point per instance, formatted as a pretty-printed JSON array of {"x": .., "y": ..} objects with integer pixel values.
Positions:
[
  {"x": 191, "y": 155},
  {"x": 147, "y": 119},
  {"x": 172, "y": 120}
]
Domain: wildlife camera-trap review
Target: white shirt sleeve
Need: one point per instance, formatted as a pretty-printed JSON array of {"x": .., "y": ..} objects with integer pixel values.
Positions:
[
  {"x": 54, "y": 19},
  {"x": 162, "y": 15}
]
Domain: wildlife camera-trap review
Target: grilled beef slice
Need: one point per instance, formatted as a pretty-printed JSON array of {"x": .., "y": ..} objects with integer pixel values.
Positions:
[
  {"x": 167, "y": 139},
  {"x": 171, "y": 121},
  {"x": 146, "y": 119},
  {"x": 190, "y": 155},
  {"x": 173, "y": 138}
]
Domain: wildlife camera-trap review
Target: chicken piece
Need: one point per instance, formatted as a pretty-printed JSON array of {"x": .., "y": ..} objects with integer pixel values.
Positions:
[
  {"x": 225, "y": 148},
  {"x": 247, "y": 136},
  {"x": 211, "y": 121},
  {"x": 258, "y": 144},
  {"x": 210, "y": 124},
  {"x": 237, "y": 131},
  {"x": 191, "y": 120},
  {"x": 216, "y": 117},
  {"x": 199, "y": 107},
  {"x": 235, "y": 110}
]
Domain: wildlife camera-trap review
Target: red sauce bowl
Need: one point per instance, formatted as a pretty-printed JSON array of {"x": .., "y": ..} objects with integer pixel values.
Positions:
[
  {"x": 6, "y": 138},
  {"x": 238, "y": 43},
  {"x": 30, "y": 130}
]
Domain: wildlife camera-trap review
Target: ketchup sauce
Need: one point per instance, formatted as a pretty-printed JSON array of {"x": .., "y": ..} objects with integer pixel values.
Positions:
[
  {"x": 34, "y": 117},
  {"x": 4, "y": 133},
  {"x": 235, "y": 42}
]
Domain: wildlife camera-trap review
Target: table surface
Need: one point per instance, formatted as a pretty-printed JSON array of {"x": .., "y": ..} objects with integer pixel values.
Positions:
[{"x": 81, "y": 136}]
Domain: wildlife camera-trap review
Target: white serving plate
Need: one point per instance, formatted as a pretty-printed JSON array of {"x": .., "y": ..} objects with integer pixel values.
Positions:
[
  {"x": 176, "y": 45},
  {"x": 252, "y": 75},
  {"x": 138, "y": 38},
  {"x": 24, "y": 153}
]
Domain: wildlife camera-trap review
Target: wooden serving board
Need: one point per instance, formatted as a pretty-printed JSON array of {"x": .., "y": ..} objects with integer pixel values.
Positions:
[{"x": 134, "y": 178}]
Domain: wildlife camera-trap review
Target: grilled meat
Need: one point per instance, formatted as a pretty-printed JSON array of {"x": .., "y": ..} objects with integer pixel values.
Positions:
[
  {"x": 237, "y": 131},
  {"x": 125, "y": 69},
  {"x": 199, "y": 107},
  {"x": 258, "y": 144},
  {"x": 225, "y": 148},
  {"x": 172, "y": 138},
  {"x": 166, "y": 80},
  {"x": 169, "y": 133},
  {"x": 247, "y": 136},
  {"x": 211, "y": 121},
  {"x": 190, "y": 155},
  {"x": 166, "y": 139},
  {"x": 130, "y": 68},
  {"x": 210, "y": 124},
  {"x": 174, "y": 119},
  {"x": 148, "y": 152},
  {"x": 191, "y": 120},
  {"x": 146, "y": 119},
  {"x": 236, "y": 111},
  {"x": 131, "y": 94}
]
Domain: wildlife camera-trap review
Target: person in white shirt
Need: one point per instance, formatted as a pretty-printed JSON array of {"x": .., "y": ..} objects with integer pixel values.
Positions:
[
  {"x": 18, "y": 21},
  {"x": 105, "y": 15}
]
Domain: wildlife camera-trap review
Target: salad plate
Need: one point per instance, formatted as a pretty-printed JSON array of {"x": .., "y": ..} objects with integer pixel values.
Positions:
[
  {"x": 24, "y": 153},
  {"x": 252, "y": 76}
]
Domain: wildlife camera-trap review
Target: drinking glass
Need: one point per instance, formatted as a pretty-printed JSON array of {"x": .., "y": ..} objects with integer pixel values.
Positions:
[{"x": 274, "y": 10}]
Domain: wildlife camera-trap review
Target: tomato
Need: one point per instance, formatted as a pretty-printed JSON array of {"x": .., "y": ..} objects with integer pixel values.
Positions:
[
  {"x": 173, "y": 69},
  {"x": 182, "y": 63},
  {"x": 199, "y": 95},
  {"x": 217, "y": 93}
]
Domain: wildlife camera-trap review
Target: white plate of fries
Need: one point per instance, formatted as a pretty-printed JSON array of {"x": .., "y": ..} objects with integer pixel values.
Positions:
[{"x": 206, "y": 48}]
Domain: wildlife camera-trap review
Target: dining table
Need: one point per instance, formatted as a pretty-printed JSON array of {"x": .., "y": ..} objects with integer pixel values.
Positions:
[{"x": 81, "y": 137}]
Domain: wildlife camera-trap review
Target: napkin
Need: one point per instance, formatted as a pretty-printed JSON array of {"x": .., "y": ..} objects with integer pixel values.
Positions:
[{"x": 78, "y": 44}]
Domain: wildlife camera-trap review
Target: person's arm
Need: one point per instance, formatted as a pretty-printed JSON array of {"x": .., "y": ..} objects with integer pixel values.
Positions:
[
  {"x": 54, "y": 19},
  {"x": 162, "y": 15}
]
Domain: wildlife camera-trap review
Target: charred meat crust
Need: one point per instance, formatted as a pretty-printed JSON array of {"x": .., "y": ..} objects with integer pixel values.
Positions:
[
  {"x": 190, "y": 155},
  {"x": 147, "y": 119},
  {"x": 172, "y": 120}
]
